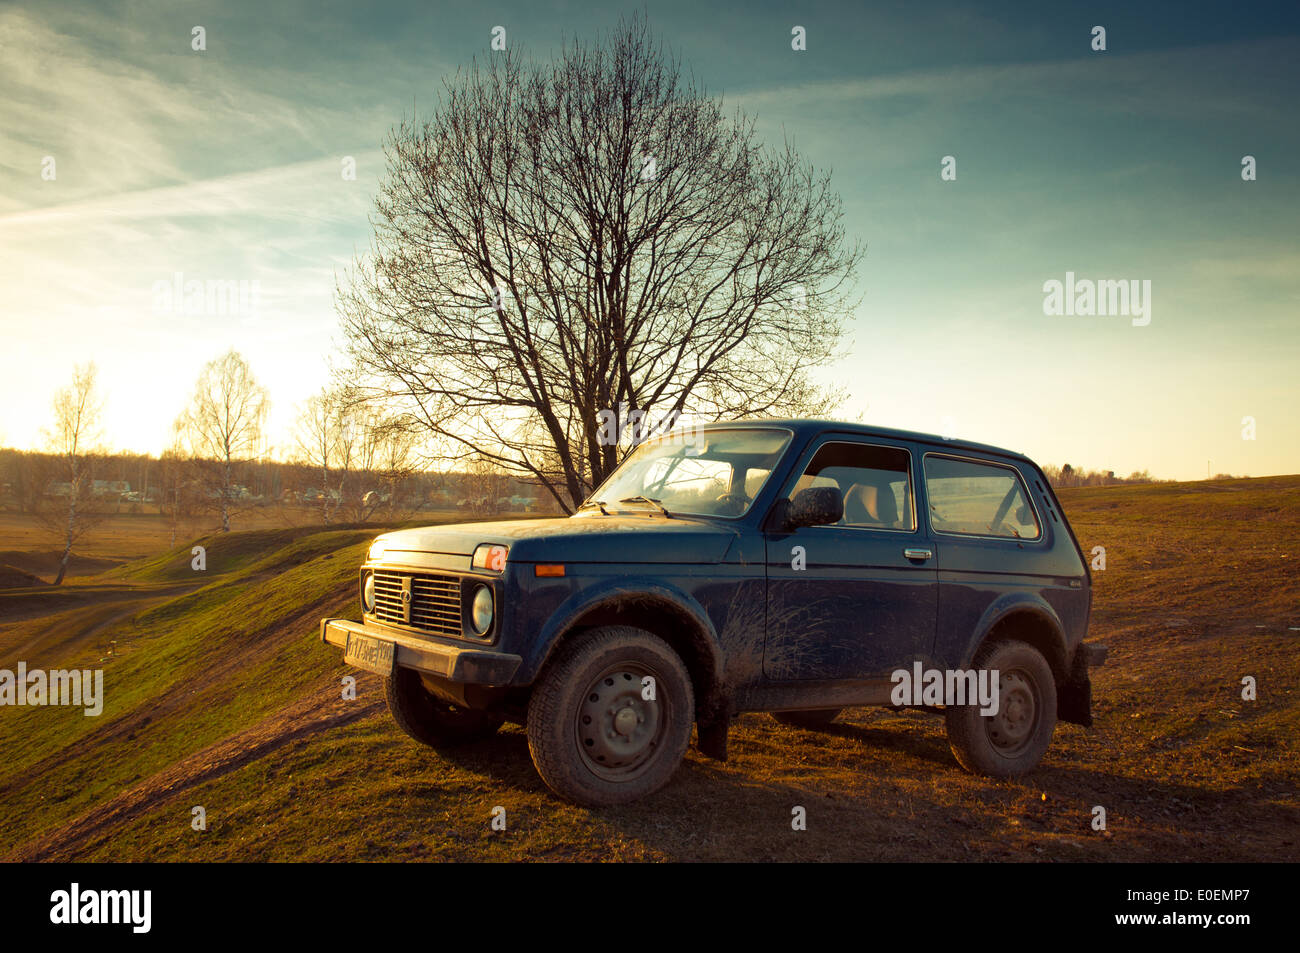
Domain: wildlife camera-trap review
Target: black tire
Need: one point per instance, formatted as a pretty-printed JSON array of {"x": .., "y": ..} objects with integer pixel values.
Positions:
[
  {"x": 430, "y": 720},
  {"x": 1012, "y": 741},
  {"x": 593, "y": 737},
  {"x": 811, "y": 720}
]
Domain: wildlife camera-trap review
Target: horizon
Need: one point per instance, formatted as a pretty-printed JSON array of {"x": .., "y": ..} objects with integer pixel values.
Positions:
[{"x": 1083, "y": 470}]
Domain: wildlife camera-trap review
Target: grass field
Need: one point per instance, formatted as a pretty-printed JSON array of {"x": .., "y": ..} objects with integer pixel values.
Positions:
[
  {"x": 31, "y": 547},
  {"x": 219, "y": 695}
]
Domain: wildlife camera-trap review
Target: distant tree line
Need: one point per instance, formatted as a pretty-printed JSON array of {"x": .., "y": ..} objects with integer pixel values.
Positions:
[
  {"x": 1066, "y": 476},
  {"x": 125, "y": 483},
  {"x": 349, "y": 461}
]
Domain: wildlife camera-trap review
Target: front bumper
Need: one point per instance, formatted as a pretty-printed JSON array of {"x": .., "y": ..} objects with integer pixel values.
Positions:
[{"x": 455, "y": 663}]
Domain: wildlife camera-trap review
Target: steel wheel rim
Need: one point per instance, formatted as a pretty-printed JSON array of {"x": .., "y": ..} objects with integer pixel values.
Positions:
[
  {"x": 617, "y": 731},
  {"x": 1015, "y": 725}
]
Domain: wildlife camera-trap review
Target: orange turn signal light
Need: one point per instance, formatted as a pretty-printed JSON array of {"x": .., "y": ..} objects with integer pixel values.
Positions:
[
  {"x": 489, "y": 556},
  {"x": 548, "y": 570}
]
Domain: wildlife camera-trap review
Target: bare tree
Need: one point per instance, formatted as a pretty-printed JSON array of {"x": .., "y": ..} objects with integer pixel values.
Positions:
[
  {"x": 394, "y": 454},
  {"x": 179, "y": 486},
  {"x": 322, "y": 445},
  {"x": 593, "y": 235},
  {"x": 78, "y": 414},
  {"x": 379, "y": 451},
  {"x": 484, "y": 483},
  {"x": 224, "y": 423},
  {"x": 362, "y": 455}
]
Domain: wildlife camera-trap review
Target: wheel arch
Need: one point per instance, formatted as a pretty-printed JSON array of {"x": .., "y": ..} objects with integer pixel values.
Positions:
[
  {"x": 1025, "y": 619},
  {"x": 665, "y": 612}
]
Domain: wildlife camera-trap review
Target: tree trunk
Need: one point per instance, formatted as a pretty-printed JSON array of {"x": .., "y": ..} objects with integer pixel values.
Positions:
[
  {"x": 63, "y": 565},
  {"x": 325, "y": 494},
  {"x": 72, "y": 523},
  {"x": 175, "y": 515},
  {"x": 225, "y": 499}
]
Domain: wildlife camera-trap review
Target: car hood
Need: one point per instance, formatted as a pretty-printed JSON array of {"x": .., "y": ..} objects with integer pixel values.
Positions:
[{"x": 580, "y": 539}]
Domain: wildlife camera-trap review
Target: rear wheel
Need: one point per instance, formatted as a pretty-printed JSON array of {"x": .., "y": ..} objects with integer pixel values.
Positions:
[
  {"x": 1013, "y": 740},
  {"x": 610, "y": 716},
  {"x": 430, "y": 720},
  {"x": 812, "y": 720}
]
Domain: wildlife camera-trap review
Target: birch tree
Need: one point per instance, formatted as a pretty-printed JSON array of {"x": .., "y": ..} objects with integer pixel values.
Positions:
[{"x": 224, "y": 423}]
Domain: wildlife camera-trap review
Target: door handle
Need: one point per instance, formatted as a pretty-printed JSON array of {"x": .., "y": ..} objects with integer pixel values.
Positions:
[{"x": 918, "y": 553}]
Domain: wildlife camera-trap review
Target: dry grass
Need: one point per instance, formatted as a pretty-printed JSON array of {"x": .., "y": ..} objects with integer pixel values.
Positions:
[{"x": 1199, "y": 591}]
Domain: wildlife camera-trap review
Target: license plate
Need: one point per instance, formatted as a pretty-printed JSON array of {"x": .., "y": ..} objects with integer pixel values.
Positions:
[{"x": 374, "y": 655}]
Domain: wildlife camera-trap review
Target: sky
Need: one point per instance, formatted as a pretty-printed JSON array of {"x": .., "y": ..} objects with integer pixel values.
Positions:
[{"x": 128, "y": 158}]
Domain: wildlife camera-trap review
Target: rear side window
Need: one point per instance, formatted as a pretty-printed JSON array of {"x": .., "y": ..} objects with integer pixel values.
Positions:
[{"x": 978, "y": 499}]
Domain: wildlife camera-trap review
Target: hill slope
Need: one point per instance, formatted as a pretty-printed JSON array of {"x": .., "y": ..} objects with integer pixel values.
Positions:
[{"x": 219, "y": 695}]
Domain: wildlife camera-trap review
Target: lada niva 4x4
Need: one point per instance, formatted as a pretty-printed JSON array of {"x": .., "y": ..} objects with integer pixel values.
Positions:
[{"x": 788, "y": 566}]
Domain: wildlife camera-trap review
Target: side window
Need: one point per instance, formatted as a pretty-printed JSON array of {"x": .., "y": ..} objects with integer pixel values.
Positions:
[
  {"x": 978, "y": 499},
  {"x": 875, "y": 482}
]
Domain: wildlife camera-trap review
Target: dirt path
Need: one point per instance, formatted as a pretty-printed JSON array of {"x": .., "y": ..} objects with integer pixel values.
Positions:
[
  {"x": 320, "y": 709},
  {"x": 71, "y": 630},
  {"x": 51, "y": 603}
]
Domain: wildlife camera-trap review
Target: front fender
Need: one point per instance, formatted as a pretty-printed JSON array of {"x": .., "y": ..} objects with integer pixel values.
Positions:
[{"x": 618, "y": 594}]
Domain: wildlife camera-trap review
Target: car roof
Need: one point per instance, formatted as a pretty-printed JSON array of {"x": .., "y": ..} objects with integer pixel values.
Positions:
[{"x": 804, "y": 427}]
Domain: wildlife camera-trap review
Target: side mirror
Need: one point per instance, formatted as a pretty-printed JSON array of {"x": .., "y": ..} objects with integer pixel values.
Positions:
[{"x": 815, "y": 506}]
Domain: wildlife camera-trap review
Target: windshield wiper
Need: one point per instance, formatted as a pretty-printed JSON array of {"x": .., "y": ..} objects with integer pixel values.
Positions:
[
  {"x": 645, "y": 499},
  {"x": 599, "y": 503}
]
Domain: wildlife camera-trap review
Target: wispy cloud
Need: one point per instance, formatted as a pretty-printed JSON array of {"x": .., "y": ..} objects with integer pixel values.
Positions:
[
  {"x": 166, "y": 115},
  {"x": 1202, "y": 83},
  {"x": 303, "y": 191}
]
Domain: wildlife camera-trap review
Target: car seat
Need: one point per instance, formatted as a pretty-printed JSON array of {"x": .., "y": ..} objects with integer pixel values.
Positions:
[{"x": 870, "y": 503}]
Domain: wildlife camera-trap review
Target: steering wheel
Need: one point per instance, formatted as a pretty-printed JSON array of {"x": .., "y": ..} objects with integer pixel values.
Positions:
[{"x": 735, "y": 502}]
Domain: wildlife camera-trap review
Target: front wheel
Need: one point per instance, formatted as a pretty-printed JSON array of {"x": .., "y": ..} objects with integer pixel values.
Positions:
[
  {"x": 431, "y": 721},
  {"x": 1013, "y": 739},
  {"x": 610, "y": 716}
]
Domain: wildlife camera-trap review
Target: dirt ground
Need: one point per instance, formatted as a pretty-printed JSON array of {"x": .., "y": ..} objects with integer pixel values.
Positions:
[{"x": 1199, "y": 592}]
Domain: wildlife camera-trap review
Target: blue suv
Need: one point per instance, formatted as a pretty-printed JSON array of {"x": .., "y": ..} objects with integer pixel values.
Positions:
[{"x": 791, "y": 566}]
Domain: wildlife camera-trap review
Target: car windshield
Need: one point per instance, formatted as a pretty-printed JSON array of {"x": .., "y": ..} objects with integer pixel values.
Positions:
[{"x": 700, "y": 473}]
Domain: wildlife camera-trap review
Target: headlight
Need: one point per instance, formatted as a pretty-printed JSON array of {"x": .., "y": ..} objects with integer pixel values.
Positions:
[
  {"x": 368, "y": 592},
  {"x": 481, "y": 611},
  {"x": 376, "y": 550}
]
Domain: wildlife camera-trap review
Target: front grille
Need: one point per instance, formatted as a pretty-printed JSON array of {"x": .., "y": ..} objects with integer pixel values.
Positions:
[{"x": 434, "y": 601}]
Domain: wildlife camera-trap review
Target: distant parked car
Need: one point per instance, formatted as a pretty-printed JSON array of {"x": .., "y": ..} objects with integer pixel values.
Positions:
[{"x": 796, "y": 567}]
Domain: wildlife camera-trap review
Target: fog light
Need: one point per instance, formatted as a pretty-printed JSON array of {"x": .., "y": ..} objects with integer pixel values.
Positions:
[
  {"x": 481, "y": 610},
  {"x": 368, "y": 593}
]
